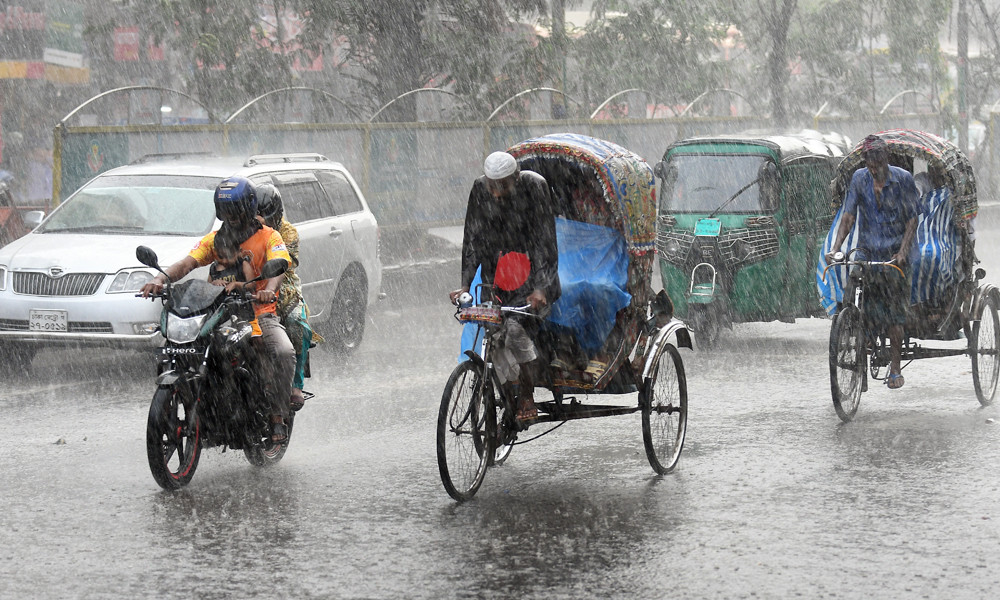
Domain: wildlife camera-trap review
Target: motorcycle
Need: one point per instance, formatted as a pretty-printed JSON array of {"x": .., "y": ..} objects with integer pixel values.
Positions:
[{"x": 209, "y": 389}]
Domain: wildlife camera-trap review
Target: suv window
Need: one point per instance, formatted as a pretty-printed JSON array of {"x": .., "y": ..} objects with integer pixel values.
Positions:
[
  {"x": 302, "y": 196},
  {"x": 341, "y": 193}
]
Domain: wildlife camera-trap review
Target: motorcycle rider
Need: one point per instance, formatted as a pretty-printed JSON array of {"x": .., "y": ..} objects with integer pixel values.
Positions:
[
  {"x": 291, "y": 309},
  {"x": 236, "y": 207}
]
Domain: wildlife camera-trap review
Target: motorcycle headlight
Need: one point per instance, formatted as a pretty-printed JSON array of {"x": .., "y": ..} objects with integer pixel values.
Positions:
[
  {"x": 183, "y": 330},
  {"x": 129, "y": 280}
]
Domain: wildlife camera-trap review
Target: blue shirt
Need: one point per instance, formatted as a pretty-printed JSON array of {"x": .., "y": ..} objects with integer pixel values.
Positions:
[{"x": 881, "y": 224}]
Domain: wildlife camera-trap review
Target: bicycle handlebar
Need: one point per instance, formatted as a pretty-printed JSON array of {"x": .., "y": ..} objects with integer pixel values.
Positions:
[{"x": 863, "y": 263}]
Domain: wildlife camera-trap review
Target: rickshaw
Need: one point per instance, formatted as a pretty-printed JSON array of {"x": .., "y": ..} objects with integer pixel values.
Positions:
[
  {"x": 741, "y": 224},
  {"x": 948, "y": 300},
  {"x": 608, "y": 333}
]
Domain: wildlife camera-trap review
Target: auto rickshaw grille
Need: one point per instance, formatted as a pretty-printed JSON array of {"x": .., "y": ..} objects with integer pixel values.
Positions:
[
  {"x": 41, "y": 284},
  {"x": 673, "y": 245},
  {"x": 746, "y": 246}
]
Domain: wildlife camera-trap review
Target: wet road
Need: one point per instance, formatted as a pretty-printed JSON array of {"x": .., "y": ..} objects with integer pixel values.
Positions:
[{"x": 773, "y": 497}]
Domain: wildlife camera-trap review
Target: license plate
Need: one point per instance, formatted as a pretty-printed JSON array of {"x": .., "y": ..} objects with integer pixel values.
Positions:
[
  {"x": 708, "y": 227},
  {"x": 48, "y": 320}
]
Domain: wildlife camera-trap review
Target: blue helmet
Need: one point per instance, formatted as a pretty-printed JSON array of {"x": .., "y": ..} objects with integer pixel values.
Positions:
[{"x": 236, "y": 200}]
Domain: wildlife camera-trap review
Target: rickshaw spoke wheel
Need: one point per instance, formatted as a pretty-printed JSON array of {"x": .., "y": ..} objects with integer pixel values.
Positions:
[
  {"x": 463, "y": 443},
  {"x": 847, "y": 362},
  {"x": 664, "y": 410},
  {"x": 984, "y": 347}
]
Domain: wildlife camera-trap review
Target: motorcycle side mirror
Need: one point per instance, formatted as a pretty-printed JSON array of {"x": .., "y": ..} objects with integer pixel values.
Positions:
[
  {"x": 273, "y": 268},
  {"x": 146, "y": 256}
]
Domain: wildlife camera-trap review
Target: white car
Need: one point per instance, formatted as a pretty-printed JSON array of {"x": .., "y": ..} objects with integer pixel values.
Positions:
[{"x": 73, "y": 280}]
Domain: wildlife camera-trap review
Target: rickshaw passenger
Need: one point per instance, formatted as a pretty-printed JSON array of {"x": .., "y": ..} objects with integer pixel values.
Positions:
[
  {"x": 885, "y": 200},
  {"x": 510, "y": 232}
]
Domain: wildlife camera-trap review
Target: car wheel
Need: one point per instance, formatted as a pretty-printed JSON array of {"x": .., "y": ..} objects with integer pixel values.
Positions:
[{"x": 346, "y": 326}]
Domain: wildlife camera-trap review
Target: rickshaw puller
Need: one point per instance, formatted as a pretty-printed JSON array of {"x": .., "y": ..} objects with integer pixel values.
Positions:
[
  {"x": 510, "y": 232},
  {"x": 885, "y": 200}
]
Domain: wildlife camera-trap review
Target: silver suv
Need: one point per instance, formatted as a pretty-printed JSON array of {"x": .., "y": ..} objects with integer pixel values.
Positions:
[{"x": 73, "y": 279}]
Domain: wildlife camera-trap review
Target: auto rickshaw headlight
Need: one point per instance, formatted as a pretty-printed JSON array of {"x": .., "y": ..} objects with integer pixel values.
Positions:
[
  {"x": 672, "y": 247},
  {"x": 741, "y": 250}
]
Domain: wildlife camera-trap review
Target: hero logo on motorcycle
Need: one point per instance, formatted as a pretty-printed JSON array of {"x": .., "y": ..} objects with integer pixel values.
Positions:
[{"x": 175, "y": 350}]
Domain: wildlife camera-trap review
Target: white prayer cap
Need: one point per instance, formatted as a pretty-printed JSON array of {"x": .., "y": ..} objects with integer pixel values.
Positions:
[{"x": 499, "y": 165}]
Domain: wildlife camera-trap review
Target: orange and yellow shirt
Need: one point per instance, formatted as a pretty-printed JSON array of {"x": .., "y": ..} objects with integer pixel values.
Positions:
[{"x": 261, "y": 246}]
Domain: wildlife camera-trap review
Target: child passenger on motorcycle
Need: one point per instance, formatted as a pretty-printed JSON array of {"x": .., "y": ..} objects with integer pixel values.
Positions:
[{"x": 232, "y": 267}]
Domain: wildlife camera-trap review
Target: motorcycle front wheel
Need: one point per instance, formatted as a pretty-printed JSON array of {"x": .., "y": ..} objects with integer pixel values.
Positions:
[{"x": 173, "y": 437}]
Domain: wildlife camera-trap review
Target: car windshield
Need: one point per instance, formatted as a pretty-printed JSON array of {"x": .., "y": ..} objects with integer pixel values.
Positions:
[
  {"x": 701, "y": 183},
  {"x": 138, "y": 204}
]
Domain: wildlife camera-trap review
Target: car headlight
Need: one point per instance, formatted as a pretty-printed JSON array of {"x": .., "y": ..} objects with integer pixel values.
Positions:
[
  {"x": 183, "y": 330},
  {"x": 3, "y": 278},
  {"x": 130, "y": 280}
]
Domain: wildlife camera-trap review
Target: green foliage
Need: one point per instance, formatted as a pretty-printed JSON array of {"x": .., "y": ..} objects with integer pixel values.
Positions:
[{"x": 668, "y": 48}]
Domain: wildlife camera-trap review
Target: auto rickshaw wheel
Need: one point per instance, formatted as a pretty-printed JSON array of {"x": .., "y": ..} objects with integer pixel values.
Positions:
[
  {"x": 664, "y": 410},
  {"x": 848, "y": 358},
  {"x": 706, "y": 327},
  {"x": 463, "y": 442},
  {"x": 984, "y": 348}
]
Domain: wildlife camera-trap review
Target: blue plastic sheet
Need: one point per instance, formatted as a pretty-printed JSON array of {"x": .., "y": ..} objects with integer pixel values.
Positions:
[
  {"x": 472, "y": 334},
  {"x": 593, "y": 274}
]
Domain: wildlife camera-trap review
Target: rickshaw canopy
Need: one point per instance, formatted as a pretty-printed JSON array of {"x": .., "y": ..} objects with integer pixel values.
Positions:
[
  {"x": 909, "y": 144},
  {"x": 626, "y": 179}
]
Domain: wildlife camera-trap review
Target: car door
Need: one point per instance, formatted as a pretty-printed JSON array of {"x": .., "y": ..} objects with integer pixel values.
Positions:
[
  {"x": 358, "y": 222},
  {"x": 321, "y": 236}
]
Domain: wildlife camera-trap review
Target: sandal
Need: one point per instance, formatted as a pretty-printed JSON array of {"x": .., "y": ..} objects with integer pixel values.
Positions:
[
  {"x": 297, "y": 400},
  {"x": 526, "y": 410},
  {"x": 279, "y": 433},
  {"x": 894, "y": 381}
]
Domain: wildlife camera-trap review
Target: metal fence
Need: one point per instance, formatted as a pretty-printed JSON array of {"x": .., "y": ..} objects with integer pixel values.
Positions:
[{"x": 413, "y": 174}]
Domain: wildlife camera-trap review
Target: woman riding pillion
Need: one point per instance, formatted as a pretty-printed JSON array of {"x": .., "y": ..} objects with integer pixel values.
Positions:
[
  {"x": 236, "y": 207},
  {"x": 291, "y": 308}
]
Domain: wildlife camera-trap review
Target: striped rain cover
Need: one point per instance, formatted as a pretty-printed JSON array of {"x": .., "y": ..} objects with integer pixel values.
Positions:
[
  {"x": 932, "y": 261},
  {"x": 831, "y": 291},
  {"x": 936, "y": 248}
]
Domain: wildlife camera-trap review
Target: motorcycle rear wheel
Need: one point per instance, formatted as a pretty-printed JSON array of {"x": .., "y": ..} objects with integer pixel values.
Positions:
[
  {"x": 266, "y": 454},
  {"x": 173, "y": 437}
]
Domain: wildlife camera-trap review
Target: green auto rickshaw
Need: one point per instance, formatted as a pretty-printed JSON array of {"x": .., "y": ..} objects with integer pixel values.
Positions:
[{"x": 741, "y": 220}]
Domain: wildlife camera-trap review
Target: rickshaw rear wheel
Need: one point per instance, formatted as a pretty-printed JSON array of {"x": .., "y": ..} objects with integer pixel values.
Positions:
[
  {"x": 664, "y": 410},
  {"x": 463, "y": 442},
  {"x": 984, "y": 346},
  {"x": 848, "y": 360}
]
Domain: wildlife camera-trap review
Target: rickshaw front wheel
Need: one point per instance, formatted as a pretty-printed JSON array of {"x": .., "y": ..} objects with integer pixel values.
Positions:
[
  {"x": 664, "y": 410},
  {"x": 984, "y": 346},
  {"x": 463, "y": 443},
  {"x": 848, "y": 358}
]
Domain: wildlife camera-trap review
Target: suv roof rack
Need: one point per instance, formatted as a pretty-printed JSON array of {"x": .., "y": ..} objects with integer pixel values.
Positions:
[
  {"x": 257, "y": 159},
  {"x": 148, "y": 158}
]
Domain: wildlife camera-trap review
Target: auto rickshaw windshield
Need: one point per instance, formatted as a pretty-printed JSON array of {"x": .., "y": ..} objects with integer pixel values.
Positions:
[{"x": 693, "y": 184}]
